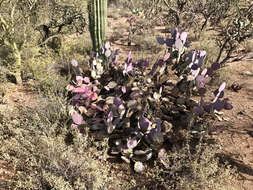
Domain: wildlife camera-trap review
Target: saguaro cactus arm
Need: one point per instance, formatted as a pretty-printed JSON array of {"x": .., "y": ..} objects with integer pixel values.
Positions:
[{"x": 98, "y": 22}]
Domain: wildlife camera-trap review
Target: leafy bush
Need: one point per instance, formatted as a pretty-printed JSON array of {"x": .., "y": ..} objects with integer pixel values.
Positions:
[{"x": 137, "y": 106}]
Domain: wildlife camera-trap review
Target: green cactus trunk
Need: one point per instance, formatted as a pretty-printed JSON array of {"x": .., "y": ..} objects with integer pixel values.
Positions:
[{"x": 98, "y": 22}]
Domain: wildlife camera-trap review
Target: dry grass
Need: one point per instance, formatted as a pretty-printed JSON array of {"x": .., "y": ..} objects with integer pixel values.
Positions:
[
  {"x": 248, "y": 46},
  {"x": 47, "y": 154}
]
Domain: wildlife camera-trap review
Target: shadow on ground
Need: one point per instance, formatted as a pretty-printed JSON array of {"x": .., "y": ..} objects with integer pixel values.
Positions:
[{"x": 236, "y": 164}]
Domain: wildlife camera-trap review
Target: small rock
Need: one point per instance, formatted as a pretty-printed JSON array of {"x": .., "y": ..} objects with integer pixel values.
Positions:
[
  {"x": 125, "y": 159},
  {"x": 218, "y": 112},
  {"x": 239, "y": 117},
  {"x": 16, "y": 100},
  {"x": 236, "y": 87},
  {"x": 248, "y": 73},
  {"x": 167, "y": 126},
  {"x": 219, "y": 118},
  {"x": 180, "y": 101},
  {"x": 250, "y": 133},
  {"x": 173, "y": 82},
  {"x": 139, "y": 167},
  {"x": 226, "y": 118}
]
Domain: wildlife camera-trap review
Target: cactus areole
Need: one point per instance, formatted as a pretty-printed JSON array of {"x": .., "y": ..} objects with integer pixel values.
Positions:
[{"x": 98, "y": 22}]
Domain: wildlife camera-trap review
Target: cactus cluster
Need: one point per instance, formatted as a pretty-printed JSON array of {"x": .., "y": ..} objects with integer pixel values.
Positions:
[{"x": 137, "y": 106}]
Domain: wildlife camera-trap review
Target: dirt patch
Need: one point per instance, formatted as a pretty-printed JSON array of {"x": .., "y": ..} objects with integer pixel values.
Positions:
[{"x": 236, "y": 134}]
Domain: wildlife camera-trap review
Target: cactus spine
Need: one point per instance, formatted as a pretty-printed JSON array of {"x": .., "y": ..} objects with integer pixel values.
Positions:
[{"x": 98, "y": 22}]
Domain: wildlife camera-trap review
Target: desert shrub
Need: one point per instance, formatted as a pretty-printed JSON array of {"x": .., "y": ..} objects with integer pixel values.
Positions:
[
  {"x": 49, "y": 71},
  {"x": 237, "y": 30},
  {"x": 25, "y": 24},
  {"x": 182, "y": 13},
  {"x": 147, "y": 43},
  {"x": 55, "y": 18},
  {"x": 113, "y": 2},
  {"x": 41, "y": 69},
  {"x": 47, "y": 154},
  {"x": 79, "y": 48},
  {"x": 192, "y": 168},
  {"x": 118, "y": 33},
  {"x": 139, "y": 8},
  {"x": 248, "y": 46},
  {"x": 207, "y": 43},
  {"x": 75, "y": 46},
  {"x": 3, "y": 74},
  {"x": 211, "y": 10},
  {"x": 138, "y": 27}
]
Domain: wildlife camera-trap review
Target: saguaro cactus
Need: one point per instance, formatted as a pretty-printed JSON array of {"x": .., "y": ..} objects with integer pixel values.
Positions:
[{"x": 98, "y": 22}]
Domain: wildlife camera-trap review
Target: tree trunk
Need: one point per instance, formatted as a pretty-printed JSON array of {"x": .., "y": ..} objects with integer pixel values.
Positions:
[{"x": 17, "y": 64}]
